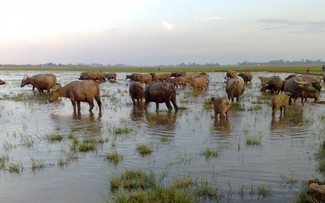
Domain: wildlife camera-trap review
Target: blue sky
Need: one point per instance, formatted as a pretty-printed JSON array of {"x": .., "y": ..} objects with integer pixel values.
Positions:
[{"x": 154, "y": 32}]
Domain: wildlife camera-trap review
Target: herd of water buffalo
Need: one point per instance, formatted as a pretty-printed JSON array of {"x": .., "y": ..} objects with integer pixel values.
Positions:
[{"x": 161, "y": 88}]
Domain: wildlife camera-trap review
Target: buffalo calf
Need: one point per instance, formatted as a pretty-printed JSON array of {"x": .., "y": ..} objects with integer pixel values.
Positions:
[
  {"x": 221, "y": 106},
  {"x": 280, "y": 101}
]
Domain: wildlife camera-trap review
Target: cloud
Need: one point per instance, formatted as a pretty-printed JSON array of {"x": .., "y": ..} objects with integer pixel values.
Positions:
[
  {"x": 303, "y": 26},
  {"x": 168, "y": 26}
]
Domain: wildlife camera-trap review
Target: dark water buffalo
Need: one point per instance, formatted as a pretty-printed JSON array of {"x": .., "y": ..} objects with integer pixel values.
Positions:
[
  {"x": 235, "y": 88},
  {"x": 40, "y": 82},
  {"x": 110, "y": 77},
  {"x": 79, "y": 91},
  {"x": 298, "y": 87},
  {"x": 136, "y": 91},
  {"x": 247, "y": 76},
  {"x": 315, "y": 80},
  {"x": 323, "y": 67},
  {"x": 221, "y": 105},
  {"x": 161, "y": 92},
  {"x": 2, "y": 82},
  {"x": 280, "y": 102},
  {"x": 177, "y": 74},
  {"x": 274, "y": 84}
]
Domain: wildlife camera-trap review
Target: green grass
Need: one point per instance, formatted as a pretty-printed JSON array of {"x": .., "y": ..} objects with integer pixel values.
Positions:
[
  {"x": 54, "y": 138},
  {"x": 210, "y": 153},
  {"x": 118, "y": 131},
  {"x": 114, "y": 157},
  {"x": 37, "y": 164},
  {"x": 144, "y": 149},
  {"x": 314, "y": 68},
  {"x": 140, "y": 186},
  {"x": 207, "y": 105},
  {"x": 253, "y": 141},
  {"x": 320, "y": 157},
  {"x": 4, "y": 159},
  {"x": 15, "y": 167}
]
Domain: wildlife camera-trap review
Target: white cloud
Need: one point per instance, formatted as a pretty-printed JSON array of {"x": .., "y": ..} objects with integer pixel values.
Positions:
[{"x": 168, "y": 26}]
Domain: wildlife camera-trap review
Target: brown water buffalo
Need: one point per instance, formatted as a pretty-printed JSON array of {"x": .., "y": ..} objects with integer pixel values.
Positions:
[
  {"x": 40, "y": 82},
  {"x": 160, "y": 76},
  {"x": 161, "y": 92},
  {"x": 92, "y": 75},
  {"x": 199, "y": 83},
  {"x": 78, "y": 91},
  {"x": 110, "y": 77},
  {"x": 280, "y": 101},
  {"x": 136, "y": 91},
  {"x": 141, "y": 77},
  {"x": 2, "y": 82},
  {"x": 231, "y": 74},
  {"x": 180, "y": 80},
  {"x": 235, "y": 88},
  {"x": 247, "y": 76},
  {"x": 221, "y": 106}
]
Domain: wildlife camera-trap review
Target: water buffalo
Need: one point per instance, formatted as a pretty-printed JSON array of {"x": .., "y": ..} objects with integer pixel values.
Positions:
[
  {"x": 160, "y": 76},
  {"x": 161, "y": 92},
  {"x": 247, "y": 76},
  {"x": 40, "y": 82},
  {"x": 180, "y": 80},
  {"x": 199, "y": 83},
  {"x": 143, "y": 78},
  {"x": 274, "y": 84},
  {"x": 323, "y": 67},
  {"x": 298, "y": 87},
  {"x": 136, "y": 91},
  {"x": 78, "y": 91},
  {"x": 2, "y": 82},
  {"x": 280, "y": 101},
  {"x": 315, "y": 80},
  {"x": 92, "y": 75},
  {"x": 221, "y": 106},
  {"x": 231, "y": 74},
  {"x": 177, "y": 74},
  {"x": 235, "y": 88},
  {"x": 110, "y": 77}
]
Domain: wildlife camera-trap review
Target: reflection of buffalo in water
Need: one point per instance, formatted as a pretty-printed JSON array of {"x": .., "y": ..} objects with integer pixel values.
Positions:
[
  {"x": 137, "y": 113},
  {"x": 165, "y": 119},
  {"x": 282, "y": 123},
  {"x": 222, "y": 126}
]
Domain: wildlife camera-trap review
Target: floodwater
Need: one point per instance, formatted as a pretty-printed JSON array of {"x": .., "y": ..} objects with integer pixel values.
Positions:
[{"x": 286, "y": 149}]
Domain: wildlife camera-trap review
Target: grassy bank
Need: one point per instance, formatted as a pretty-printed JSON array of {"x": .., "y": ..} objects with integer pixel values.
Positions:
[{"x": 314, "y": 69}]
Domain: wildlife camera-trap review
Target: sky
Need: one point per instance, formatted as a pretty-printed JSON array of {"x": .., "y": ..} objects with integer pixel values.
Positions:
[{"x": 160, "y": 32}]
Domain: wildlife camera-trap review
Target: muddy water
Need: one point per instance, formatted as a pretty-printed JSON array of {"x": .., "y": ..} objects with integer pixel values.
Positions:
[{"x": 287, "y": 146}]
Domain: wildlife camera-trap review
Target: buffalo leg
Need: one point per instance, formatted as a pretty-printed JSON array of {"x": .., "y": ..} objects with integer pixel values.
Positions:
[
  {"x": 99, "y": 103},
  {"x": 157, "y": 106},
  {"x": 91, "y": 105},
  {"x": 74, "y": 106},
  {"x": 78, "y": 105},
  {"x": 169, "y": 106},
  {"x": 173, "y": 99}
]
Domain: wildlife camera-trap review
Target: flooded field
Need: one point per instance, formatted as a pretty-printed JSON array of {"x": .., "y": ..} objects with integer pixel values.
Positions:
[{"x": 39, "y": 169}]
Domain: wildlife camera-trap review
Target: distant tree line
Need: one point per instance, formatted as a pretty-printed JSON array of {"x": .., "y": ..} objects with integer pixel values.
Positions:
[
  {"x": 283, "y": 62},
  {"x": 193, "y": 64}
]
